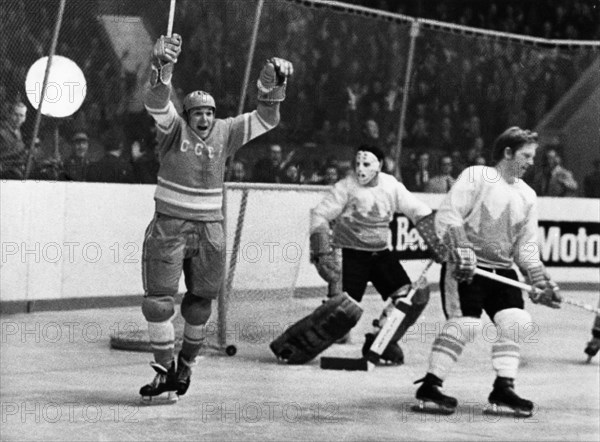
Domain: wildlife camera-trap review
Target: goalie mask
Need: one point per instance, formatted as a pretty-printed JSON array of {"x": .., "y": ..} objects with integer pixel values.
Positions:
[{"x": 367, "y": 165}]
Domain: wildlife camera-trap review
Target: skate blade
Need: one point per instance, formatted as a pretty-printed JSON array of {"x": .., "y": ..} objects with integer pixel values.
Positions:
[
  {"x": 170, "y": 398},
  {"x": 430, "y": 407},
  {"x": 505, "y": 410}
]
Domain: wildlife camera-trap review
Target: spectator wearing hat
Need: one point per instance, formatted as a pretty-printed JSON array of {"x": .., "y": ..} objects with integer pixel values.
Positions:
[{"x": 76, "y": 167}]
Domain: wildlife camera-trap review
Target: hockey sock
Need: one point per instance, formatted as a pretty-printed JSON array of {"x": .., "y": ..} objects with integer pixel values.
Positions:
[
  {"x": 445, "y": 352},
  {"x": 162, "y": 341},
  {"x": 505, "y": 358},
  {"x": 511, "y": 324},
  {"x": 193, "y": 340},
  {"x": 450, "y": 343}
]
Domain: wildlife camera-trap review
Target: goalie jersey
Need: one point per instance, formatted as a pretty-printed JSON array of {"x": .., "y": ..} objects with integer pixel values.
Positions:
[
  {"x": 363, "y": 214},
  {"x": 190, "y": 178},
  {"x": 499, "y": 218}
]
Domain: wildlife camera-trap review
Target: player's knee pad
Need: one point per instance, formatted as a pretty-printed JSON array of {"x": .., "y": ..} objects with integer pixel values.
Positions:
[
  {"x": 196, "y": 310},
  {"x": 512, "y": 323},
  {"x": 158, "y": 308},
  {"x": 463, "y": 329}
]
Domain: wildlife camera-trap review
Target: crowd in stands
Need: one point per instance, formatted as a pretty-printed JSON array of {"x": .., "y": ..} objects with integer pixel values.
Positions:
[{"x": 347, "y": 89}]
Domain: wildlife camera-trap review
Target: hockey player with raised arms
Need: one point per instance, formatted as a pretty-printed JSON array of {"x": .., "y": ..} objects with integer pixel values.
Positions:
[
  {"x": 362, "y": 205},
  {"x": 489, "y": 220},
  {"x": 186, "y": 233}
]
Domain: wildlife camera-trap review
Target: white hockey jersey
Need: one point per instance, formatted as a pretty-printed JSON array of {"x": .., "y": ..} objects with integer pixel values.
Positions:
[
  {"x": 362, "y": 214},
  {"x": 500, "y": 218}
]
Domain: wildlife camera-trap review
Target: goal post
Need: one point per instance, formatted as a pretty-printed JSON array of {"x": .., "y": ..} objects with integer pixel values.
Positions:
[{"x": 267, "y": 255}]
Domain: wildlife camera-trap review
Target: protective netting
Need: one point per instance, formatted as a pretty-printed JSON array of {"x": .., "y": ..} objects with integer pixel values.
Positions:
[{"x": 350, "y": 67}]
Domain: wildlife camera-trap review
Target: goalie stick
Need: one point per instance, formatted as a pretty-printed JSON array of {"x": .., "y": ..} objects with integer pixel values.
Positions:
[{"x": 395, "y": 318}]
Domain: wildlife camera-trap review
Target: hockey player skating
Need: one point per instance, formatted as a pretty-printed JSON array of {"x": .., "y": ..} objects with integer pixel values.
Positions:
[
  {"x": 489, "y": 220},
  {"x": 186, "y": 233},
  {"x": 362, "y": 205},
  {"x": 593, "y": 346}
]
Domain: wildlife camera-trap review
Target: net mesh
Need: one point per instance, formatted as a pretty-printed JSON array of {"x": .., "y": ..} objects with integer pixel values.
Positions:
[{"x": 350, "y": 66}]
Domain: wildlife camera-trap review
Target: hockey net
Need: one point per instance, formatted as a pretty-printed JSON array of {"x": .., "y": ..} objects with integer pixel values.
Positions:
[{"x": 268, "y": 268}]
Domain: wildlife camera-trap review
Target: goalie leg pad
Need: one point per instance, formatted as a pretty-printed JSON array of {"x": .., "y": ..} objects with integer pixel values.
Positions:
[
  {"x": 316, "y": 332},
  {"x": 398, "y": 316}
]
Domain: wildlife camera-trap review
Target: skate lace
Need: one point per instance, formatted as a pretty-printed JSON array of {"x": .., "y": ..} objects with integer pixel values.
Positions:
[{"x": 159, "y": 379}]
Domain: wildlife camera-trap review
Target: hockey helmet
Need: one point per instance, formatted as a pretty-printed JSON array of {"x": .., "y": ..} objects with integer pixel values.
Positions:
[{"x": 198, "y": 99}]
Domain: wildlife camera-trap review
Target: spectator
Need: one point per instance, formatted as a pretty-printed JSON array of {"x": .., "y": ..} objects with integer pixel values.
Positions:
[
  {"x": 591, "y": 183},
  {"x": 145, "y": 163},
  {"x": 291, "y": 174},
  {"x": 370, "y": 133},
  {"x": 390, "y": 166},
  {"x": 443, "y": 182},
  {"x": 112, "y": 168},
  {"x": 331, "y": 175},
  {"x": 553, "y": 179},
  {"x": 238, "y": 172},
  {"x": 270, "y": 169},
  {"x": 48, "y": 168},
  {"x": 479, "y": 161},
  {"x": 77, "y": 165},
  {"x": 417, "y": 176},
  {"x": 458, "y": 163},
  {"x": 13, "y": 153}
]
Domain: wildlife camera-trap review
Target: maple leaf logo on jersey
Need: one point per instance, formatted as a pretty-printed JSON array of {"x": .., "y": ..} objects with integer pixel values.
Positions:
[{"x": 492, "y": 234}]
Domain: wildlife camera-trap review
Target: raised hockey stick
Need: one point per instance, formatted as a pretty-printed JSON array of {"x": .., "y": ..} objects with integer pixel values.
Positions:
[{"x": 171, "y": 18}]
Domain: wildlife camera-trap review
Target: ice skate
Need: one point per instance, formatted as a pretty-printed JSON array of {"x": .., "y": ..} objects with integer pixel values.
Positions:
[
  {"x": 592, "y": 348},
  {"x": 184, "y": 373},
  {"x": 430, "y": 392},
  {"x": 163, "y": 382},
  {"x": 503, "y": 395}
]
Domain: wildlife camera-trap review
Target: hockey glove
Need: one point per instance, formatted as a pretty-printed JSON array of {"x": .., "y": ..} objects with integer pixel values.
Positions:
[
  {"x": 324, "y": 257},
  {"x": 545, "y": 291},
  {"x": 272, "y": 80},
  {"x": 164, "y": 56},
  {"x": 167, "y": 49},
  {"x": 462, "y": 254}
]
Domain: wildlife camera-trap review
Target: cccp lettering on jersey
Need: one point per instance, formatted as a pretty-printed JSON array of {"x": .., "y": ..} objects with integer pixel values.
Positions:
[
  {"x": 556, "y": 246},
  {"x": 197, "y": 148},
  {"x": 408, "y": 237}
]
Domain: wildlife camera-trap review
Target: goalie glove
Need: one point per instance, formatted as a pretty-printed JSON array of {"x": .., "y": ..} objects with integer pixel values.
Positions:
[
  {"x": 272, "y": 80},
  {"x": 462, "y": 254},
  {"x": 545, "y": 291},
  {"x": 164, "y": 56},
  {"x": 324, "y": 257}
]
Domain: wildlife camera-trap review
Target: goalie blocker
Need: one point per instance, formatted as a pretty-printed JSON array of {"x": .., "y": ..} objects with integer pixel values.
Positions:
[{"x": 318, "y": 331}]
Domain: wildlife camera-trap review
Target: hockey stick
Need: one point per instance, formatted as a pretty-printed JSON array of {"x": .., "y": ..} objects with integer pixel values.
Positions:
[
  {"x": 171, "y": 18},
  {"x": 529, "y": 288},
  {"x": 393, "y": 321},
  {"x": 426, "y": 229}
]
